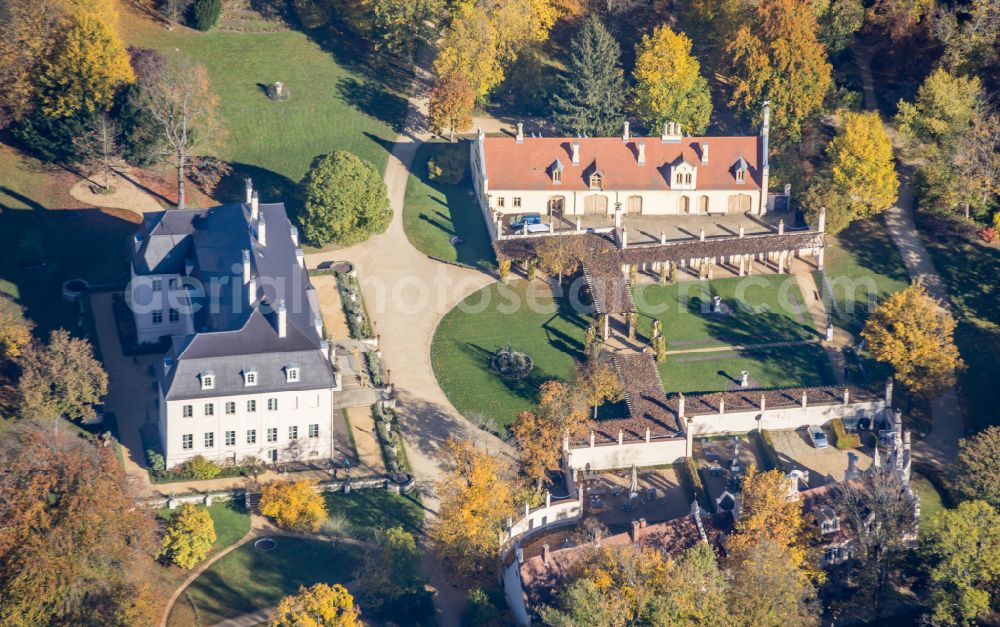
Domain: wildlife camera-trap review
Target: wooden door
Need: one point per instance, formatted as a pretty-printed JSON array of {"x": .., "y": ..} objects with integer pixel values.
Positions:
[{"x": 635, "y": 204}]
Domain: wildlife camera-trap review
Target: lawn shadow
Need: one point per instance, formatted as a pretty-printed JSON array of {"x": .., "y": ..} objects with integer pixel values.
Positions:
[
  {"x": 526, "y": 387},
  {"x": 271, "y": 187},
  {"x": 465, "y": 217}
]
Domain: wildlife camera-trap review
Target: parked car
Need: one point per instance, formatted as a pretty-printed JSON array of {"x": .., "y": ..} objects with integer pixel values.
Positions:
[
  {"x": 526, "y": 219},
  {"x": 817, "y": 437}
]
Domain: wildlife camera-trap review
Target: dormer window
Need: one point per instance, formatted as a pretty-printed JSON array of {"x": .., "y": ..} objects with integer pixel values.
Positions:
[
  {"x": 740, "y": 169},
  {"x": 249, "y": 377},
  {"x": 207, "y": 381},
  {"x": 687, "y": 178},
  {"x": 291, "y": 374},
  {"x": 556, "y": 170},
  {"x": 596, "y": 181}
]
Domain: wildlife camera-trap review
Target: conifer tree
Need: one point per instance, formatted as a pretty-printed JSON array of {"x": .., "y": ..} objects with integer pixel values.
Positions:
[{"x": 591, "y": 94}]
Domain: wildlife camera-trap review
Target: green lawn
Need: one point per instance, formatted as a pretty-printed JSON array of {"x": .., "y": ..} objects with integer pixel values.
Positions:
[
  {"x": 249, "y": 579},
  {"x": 790, "y": 366},
  {"x": 360, "y": 513},
  {"x": 762, "y": 308},
  {"x": 863, "y": 267},
  {"x": 971, "y": 271},
  {"x": 468, "y": 335},
  {"x": 231, "y": 521},
  {"x": 930, "y": 499},
  {"x": 340, "y": 99},
  {"x": 434, "y": 212}
]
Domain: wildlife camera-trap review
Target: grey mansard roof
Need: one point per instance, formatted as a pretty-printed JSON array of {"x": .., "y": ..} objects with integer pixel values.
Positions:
[{"x": 231, "y": 334}]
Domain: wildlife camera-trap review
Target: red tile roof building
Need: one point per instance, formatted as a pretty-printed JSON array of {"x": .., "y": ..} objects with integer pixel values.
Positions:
[{"x": 670, "y": 174}]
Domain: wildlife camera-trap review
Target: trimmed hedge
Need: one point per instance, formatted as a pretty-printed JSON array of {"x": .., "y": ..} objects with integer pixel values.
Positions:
[
  {"x": 766, "y": 447},
  {"x": 687, "y": 472},
  {"x": 842, "y": 439},
  {"x": 205, "y": 14}
]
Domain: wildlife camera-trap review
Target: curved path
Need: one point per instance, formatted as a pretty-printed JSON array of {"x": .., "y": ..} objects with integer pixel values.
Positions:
[
  {"x": 407, "y": 294},
  {"x": 939, "y": 447},
  {"x": 260, "y": 527}
]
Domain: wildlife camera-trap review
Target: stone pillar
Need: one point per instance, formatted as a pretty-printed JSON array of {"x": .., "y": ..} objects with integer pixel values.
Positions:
[
  {"x": 579, "y": 224},
  {"x": 689, "y": 437},
  {"x": 621, "y": 437},
  {"x": 821, "y": 227},
  {"x": 722, "y": 408},
  {"x": 888, "y": 393},
  {"x": 625, "y": 238},
  {"x": 592, "y": 438},
  {"x": 742, "y": 230},
  {"x": 711, "y": 268},
  {"x": 741, "y": 259},
  {"x": 663, "y": 238},
  {"x": 680, "y": 406},
  {"x": 750, "y": 265},
  {"x": 781, "y": 226},
  {"x": 805, "y": 400},
  {"x": 647, "y": 435},
  {"x": 819, "y": 259},
  {"x": 701, "y": 235},
  {"x": 548, "y": 499},
  {"x": 847, "y": 396}
]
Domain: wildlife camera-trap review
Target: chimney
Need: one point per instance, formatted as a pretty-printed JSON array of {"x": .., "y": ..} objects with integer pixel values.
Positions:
[
  {"x": 765, "y": 125},
  {"x": 634, "y": 531},
  {"x": 545, "y": 554},
  {"x": 888, "y": 393},
  {"x": 642, "y": 523},
  {"x": 252, "y": 291},
  {"x": 300, "y": 256},
  {"x": 249, "y": 186},
  {"x": 624, "y": 238},
  {"x": 666, "y": 131},
  {"x": 282, "y": 318},
  {"x": 520, "y": 555},
  {"x": 295, "y": 235},
  {"x": 625, "y": 135},
  {"x": 246, "y": 266},
  {"x": 318, "y": 325},
  {"x": 704, "y": 153},
  {"x": 254, "y": 205},
  {"x": 519, "y": 138},
  {"x": 576, "y": 153},
  {"x": 642, "y": 152},
  {"x": 262, "y": 231},
  {"x": 168, "y": 363}
]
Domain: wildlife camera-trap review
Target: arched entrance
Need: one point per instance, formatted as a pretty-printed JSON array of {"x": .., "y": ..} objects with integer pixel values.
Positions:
[
  {"x": 596, "y": 204},
  {"x": 634, "y": 204},
  {"x": 683, "y": 205},
  {"x": 557, "y": 205},
  {"x": 703, "y": 204},
  {"x": 739, "y": 203}
]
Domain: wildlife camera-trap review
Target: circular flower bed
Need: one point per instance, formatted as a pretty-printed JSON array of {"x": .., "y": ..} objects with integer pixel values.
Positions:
[
  {"x": 511, "y": 364},
  {"x": 265, "y": 544}
]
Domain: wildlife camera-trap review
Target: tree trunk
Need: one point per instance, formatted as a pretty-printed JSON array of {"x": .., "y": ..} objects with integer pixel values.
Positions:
[
  {"x": 180, "y": 181},
  {"x": 595, "y": 412}
]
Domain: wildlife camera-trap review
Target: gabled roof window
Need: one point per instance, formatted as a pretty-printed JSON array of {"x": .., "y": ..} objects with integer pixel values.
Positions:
[
  {"x": 250, "y": 376},
  {"x": 556, "y": 171},
  {"x": 207, "y": 380}
]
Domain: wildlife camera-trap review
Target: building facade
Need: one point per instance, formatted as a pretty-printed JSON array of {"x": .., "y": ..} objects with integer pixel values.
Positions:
[
  {"x": 248, "y": 372},
  {"x": 668, "y": 175}
]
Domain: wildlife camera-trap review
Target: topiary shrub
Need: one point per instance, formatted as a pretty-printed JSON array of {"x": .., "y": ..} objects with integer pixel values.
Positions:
[
  {"x": 842, "y": 439},
  {"x": 345, "y": 200},
  {"x": 447, "y": 165},
  {"x": 201, "y": 468},
  {"x": 205, "y": 14}
]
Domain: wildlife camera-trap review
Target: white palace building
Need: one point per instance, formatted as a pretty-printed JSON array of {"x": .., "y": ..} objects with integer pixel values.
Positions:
[{"x": 248, "y": 372}]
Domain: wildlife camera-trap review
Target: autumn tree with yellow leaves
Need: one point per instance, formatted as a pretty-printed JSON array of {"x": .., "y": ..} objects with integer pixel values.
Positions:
[
  {"x": 862, "y": 163},
  {"x": 768, "y": 512},
  {"x": 669, "y": 86},
  {"x": 776, "y": 56},
  {"x": 598, "y": 382},
  {"x": 539, "y": 442},
  {"x": 477, "y": 497},
  {"x": 189, "y": 536},
  {"x": 293, "y": 505},
  {"x": 15, "y": 328},
  {"x": 486, "y": 37},
  {"x": 320, "y": 605},
  {"x": 911, "y": 333}
]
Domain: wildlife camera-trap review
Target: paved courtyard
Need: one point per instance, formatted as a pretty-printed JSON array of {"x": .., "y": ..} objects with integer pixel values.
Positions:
[
  {"x": 646, "y": 229},
  {"x": 660, "y": 496},
  {"x": 797, "y": 452}
]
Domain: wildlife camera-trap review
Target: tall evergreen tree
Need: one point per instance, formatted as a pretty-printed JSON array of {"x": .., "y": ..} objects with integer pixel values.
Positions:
[{"x": 591, "y": 98}]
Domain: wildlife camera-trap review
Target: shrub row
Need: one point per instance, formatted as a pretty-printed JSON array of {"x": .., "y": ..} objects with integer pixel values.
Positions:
[
  {"x": 358, "y": 323},
  {"x": 387, "y": 430}
]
